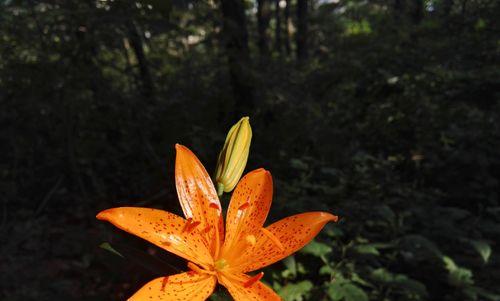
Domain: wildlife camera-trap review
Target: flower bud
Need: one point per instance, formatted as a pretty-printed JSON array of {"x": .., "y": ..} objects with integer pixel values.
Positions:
[{"x": 233, "y": 157}]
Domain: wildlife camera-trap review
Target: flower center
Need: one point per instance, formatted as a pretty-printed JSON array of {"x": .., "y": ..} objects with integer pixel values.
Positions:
[{"x": 220, "y": 264}]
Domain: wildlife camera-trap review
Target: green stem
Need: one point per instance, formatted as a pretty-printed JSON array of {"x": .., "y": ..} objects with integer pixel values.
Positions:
[{"x": 220, "y": 189}]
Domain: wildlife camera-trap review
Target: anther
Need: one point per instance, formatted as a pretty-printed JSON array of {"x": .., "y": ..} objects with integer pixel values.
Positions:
[
  {"x": 214, "y": 205},
  {"x": 273, "y": 238},
  {"x": 254, "y": 279},
  {"x": 190, "y": 225},
  {"x": 188, "y": 222},
  {"x": 164, "y": 283}
]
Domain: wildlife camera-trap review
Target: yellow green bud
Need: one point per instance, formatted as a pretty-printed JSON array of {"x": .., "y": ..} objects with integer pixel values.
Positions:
[{"x": 233, "y": 157}]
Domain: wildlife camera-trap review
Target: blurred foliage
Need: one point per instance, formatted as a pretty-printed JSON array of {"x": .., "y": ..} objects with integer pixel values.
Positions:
[{"x": 392, "y": 123}]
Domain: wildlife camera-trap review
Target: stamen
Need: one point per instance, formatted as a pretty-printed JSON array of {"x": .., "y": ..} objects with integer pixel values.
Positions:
[
  {"x": 217, "y": 242},
  {"x": 166, "y": 243},
  {"x": 254, "y": 279},
  {"x": 250, "y": 239},
  {"x": 207, "y": 229},
  {"x": 244, "y": 206},
  {"x": 164, "y": 283},
  {"x": 198, "y": 270},
  {"x": 273, "y": 238}
]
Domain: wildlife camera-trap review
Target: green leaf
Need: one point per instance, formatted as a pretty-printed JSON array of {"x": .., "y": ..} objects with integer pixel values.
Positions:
[
  {"x": 386, "y": 213},
  {"x": 420, "y": 246},
  {"x": 398, "y": 281},
  {"x": 142, "y": 258},
  {"x": 106, "y": 246},
  {"x": 357, "y": 279},
  {"x": 295, "y": 291},
  {"x": 354, "y": 293},
  {"x": 366, "y": 249},
  {"x": 345, "y": 290},
  {"x": 334, "y": 232},
  {"x": 317, "y": 249},
  {"x": 220, "y": 296},
  {"x": 483, "y": 248},
  {"x": 291, "y": 266},
  {"x": 486, "y": 294},
  {"x": 298, "y": 164},
  {"x": 325, "y": 270},
  {"x": 335, "y": 291}
]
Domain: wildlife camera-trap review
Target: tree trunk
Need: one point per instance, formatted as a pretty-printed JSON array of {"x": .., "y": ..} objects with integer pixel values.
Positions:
[
  {"x": 288, "y": 48},
  {"x": 135, "y": 39},
  {"x": 263, "y": 18},
  {"x": 446, "y": 7},
  {"x": 278, "y": 29},
  {"x": 398, "y": 9},
  {"x": 301, "y": 30},
  {"x": 235, "y": 41},
  {"x": 418, "y": 12}
]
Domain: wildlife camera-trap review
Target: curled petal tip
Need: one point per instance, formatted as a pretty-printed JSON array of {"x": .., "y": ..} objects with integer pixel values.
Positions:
[
  {"x": 103, "y": 215},
  {"x": 330, "y": 217},
  {"x": 260, "y": 170}
]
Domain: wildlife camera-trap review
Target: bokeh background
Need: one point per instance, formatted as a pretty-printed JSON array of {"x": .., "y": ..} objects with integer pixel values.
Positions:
[{"x": 384, "y": 112}]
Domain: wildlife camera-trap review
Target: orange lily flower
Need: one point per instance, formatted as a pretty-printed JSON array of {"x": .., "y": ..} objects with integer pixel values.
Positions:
[{"x": 199, "y": 238}]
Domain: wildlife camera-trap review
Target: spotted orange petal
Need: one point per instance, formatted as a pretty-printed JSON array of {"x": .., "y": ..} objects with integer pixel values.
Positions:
[
  {"x": 282, "y": 239},
  {"x": 179, "y": 287},
  {"x": 247, "y": 210},
  {"x": 236, "y": 285},
  {"x": 197, "y": 195},
  {"x": 162, "y": 228}
]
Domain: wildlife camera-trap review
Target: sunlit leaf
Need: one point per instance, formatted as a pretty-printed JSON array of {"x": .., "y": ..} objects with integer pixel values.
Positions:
[
  {"x": 457, "y": 276},
  {"x": 483, "y": 248}
]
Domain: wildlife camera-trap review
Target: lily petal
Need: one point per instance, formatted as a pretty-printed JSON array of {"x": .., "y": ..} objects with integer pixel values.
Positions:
[
  {"x": 185, "y": 286},
  {"x": 197, "y": 195},
  {"x": 162, "y": 228},
  {"x": 258, "y": 291},
  {"x": 247, "y": 210},
  {"x": 282, "y": 239}
]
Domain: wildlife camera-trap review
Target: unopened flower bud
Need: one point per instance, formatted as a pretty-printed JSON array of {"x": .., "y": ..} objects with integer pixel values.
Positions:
[{"x": 233, "y": 157}]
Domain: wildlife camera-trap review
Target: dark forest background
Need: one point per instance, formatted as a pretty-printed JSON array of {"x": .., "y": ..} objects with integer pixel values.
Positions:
[{"x": 384, "y": 112}]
